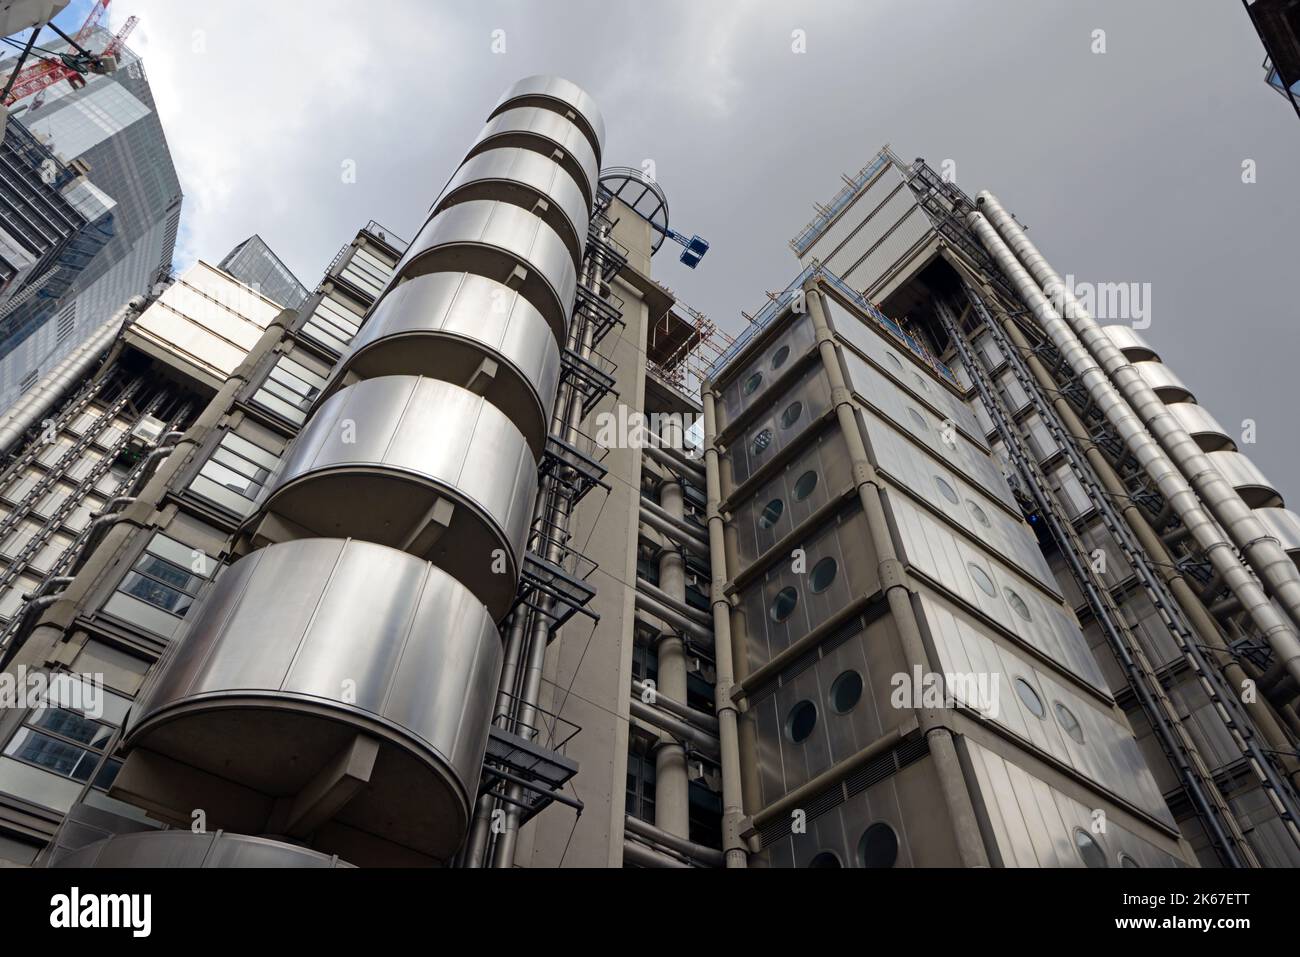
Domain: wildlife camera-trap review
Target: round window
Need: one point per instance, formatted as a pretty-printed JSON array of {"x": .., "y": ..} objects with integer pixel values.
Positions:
[
  {"x": 761, "y": 442},
  {"x": 825, "y": 859},
  {"x": 918, "y": 418},
  {"x": 752, "y": 383},
  {"x": 804, "y": 485},
  {"x": 1126, "y": 861},
  {"x": 893, "y": 361},
  {"x": 801, "y": 720},
  {"x": 1069, "y": 723},
  {"x": 1018, "y": 605},
  {"x": 823, "y": 573},
  {"x": 920, "y": 382},
  {"x": 946, "y": 490},
  {"x": 771, "y": 513},
  {"x": 982, "y": 580},
  {"x": 1026, "y": 693},
  {"x": 878, "y": 846},
  {"x": 791, "y": 414},
  {"x": 1089, "y": 850},
  {"x": 845, "y": 691},
  {"x": 779, "y": 357},
  {"x": 783, "y": 604},
  {"x": 980, "y": 515}
]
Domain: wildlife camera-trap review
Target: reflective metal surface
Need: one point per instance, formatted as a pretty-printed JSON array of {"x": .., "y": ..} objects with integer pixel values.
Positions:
[
  {"x": 530, "y": 181},
  {"x": 792, "y": 413},
  {"x": 1244, "y": 476},
  {"x": 754, "y": 382},
  {"x": 1168, "y": 386},
  {"x": 1203, "y": 427},
  {"x": 445, "y": 325},
  {"x": 1284, "y": 525},
  {"x": 418, "y": 464},
  {"x": 563, "y": 96},
  {"x": 548, "y": 133},
  {"x": 1130, "y": 342},
  {"x": 182, "y": 848},
  {"x": 497, "y": 240},
  {"x": 301, "y": 646},
  {"x": 1033, "y": 823}
]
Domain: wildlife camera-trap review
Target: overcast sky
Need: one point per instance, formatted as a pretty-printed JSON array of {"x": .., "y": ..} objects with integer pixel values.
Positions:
[{"x": 1126, "y": 165}]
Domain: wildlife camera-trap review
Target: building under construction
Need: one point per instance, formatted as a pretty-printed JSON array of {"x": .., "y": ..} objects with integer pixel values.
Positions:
[{"x": 494, "y": 554}]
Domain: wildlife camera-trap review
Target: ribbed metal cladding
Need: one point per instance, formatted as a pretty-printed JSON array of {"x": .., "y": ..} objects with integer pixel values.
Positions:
[
  {"x": 391, "y": 538},
  {"x": 1130, "y": 342}
]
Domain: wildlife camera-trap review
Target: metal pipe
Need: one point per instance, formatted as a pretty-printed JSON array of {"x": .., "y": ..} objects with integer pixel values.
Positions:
[
  {"x": 672, "y": 458},
  {"x": 1261, "y": 551},
  {"x": 674, "y": 726},
  {"x": 672, "y": 803},
  {"x": 1171, "y": 483},
  {"x": 733, "y": 804},
  {"x": 671, "y": 601},
  {"x": 705, "y": 722},
  {"x": 643, "y": 856},
  {"x": 698, "y": 852},
  {"x": 647, "y": 602},
  {"x": 72, "y": 369},
  {"x": 676, "y": 528}
]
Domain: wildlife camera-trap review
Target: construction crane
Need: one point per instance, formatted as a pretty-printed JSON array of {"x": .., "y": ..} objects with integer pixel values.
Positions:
[{"x": 71, "y": 66}]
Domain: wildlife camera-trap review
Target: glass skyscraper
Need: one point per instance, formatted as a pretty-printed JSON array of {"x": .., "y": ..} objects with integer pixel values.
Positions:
[
  {"x": 108, "y": 129},
  {"x": 253, "y": 263}
]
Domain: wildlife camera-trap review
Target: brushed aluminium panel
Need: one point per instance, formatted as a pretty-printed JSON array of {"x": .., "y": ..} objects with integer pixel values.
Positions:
[
  {"x": 792, "y": 412},
  {"x": 547, "y": 133},
  {"x": 555, "y": 92},
  {"x": 1245, "y": 476},
  {"x": 1197, "y": 422},
  {"x": 938, "y": 553},
  {"x": 1033, "y": 823},
  {"x": 180, "y": 848},
  {"x": 496, "y": 240},
  {"x": 443, "y": 325},
  {"x": 1163, "y": 382},
  {"x": 310, "y": 638},
  {"x": 1132, "y": 343},
  {"x": 776, "y": 358}
]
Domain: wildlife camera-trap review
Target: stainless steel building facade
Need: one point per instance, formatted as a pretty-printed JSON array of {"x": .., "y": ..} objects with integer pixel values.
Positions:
[{"x": 930, "y": 570}]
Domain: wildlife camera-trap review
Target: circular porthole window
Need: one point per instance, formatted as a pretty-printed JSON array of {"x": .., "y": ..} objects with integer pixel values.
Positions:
[
  {"x": 1026, "y": 693},
  {"x": 893, "y": 361},
  {"x": 1069, "y": 723},
  {"x": 761, "y": 442},
  {"x": 823, "y": 573},
  {"x": 918, "y": 419},
  {"x": 845, "y": 691},
  {"x": 825, "y": 859},
  {"x": 801, "y": 720},
  {"x": 752, "y": 383},
  {"x": 1090, "y": 851},
  {"x": 804, "y": 485},
  {"x": 783, "y": 604},
  {"x": 791, "y": 414},
  {"x": 1018, "y": 605},
  {"x": 920, "y": 382},
  {"x": 980, "y": 515},
  {"x": 946, "y": 490},
  {"x": 779, "y": 357},
  {"x": 982, "y": 580},
  {"x": 878, "y": 846},
  {"x": 771, "y": 513},
  {"x": 1124, "y": 861}
]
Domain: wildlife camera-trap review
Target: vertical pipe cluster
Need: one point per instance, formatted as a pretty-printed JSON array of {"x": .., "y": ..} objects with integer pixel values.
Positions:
[{"x": 1119, "y": 390}]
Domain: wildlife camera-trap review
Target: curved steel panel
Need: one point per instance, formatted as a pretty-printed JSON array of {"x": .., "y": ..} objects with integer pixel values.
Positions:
[
  {"x": 1284, "y": 525},
  {"x": 1197, "y": 422},
  {"x": 527, "y": 180},
  {"x": 1130, "y": 342},
  {"x": 548, "y": 133},
  {"x": 444, "y": 325},
  {"x": 1164, "y": 383},
  {"x": 1244, "y": 476},
  {"x": 302, "y": 646},
  {"x": 497, "y": 240},
  {"x": 563, "y": 96},
  {"x": 382, "y": 458},
  {"x": 182, "y": 848}
]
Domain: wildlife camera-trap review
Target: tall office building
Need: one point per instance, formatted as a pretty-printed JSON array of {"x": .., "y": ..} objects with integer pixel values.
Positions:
[
  {"x": 109, "y": 130},
  {"x": 255, "y": 264},
  {"x": 484, "y": 559},
  {"x": 1278, "y": 24}
]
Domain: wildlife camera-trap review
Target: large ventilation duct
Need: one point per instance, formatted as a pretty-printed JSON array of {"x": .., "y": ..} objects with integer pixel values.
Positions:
[
  {"x": 1175, "y": 489},
  {"x": 1247, "y": 533}
]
